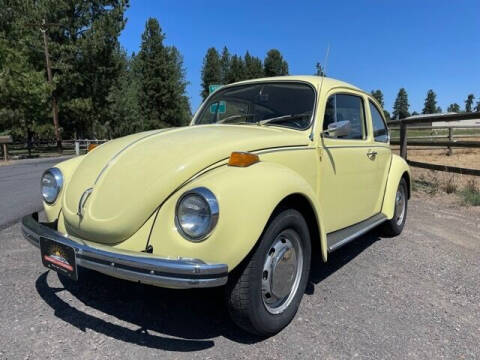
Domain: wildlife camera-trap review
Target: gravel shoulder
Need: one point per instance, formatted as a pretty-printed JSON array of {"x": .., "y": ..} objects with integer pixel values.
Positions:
[{"x": 415, "y": 296}]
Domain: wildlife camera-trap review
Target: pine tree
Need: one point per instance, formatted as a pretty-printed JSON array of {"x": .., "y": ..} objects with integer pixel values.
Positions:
[
  {"x": 401, "y": 105},
  {"x": 253, "y": 67},
  {"x": 469, "y": 103},
  {"x": 225, "y": 65},
  {"x": 453, "y": 108},
  {"x": 274, "y": 64},
  {"x": 162, "y": 92},
  {"x": 83, "y": 40},
  {"x": 430, "y": 105},
  {"x": 387, "y": 115},
  {"x": 237, "y": 69},
  {"x": 211, "y": 71},
  {"x": 123, "y": 98},
  {"x": 378, "y": 95},
  {"x": 319, "y": 70}
]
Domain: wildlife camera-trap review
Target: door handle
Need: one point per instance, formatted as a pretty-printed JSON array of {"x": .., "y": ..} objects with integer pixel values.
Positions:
[{"x": 372, "y": 154}]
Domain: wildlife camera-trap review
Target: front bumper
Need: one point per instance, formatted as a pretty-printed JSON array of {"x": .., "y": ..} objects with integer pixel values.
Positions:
[{"x": 145, "y": 268}]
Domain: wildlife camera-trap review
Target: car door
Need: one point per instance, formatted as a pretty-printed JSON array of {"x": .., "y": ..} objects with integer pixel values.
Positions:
[
  {"x": 381, "y": 146},
  {"x": 348, "y": 186}
]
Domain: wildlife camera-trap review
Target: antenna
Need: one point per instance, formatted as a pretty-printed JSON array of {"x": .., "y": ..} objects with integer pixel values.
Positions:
[{"x": 326, "y": 58}]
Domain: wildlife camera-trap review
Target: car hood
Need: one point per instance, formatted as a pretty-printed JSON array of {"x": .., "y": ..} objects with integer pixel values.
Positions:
[{"x": 128, "y": 178}]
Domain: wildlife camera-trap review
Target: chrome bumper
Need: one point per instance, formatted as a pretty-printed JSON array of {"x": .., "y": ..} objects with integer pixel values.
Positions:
[{"x": 145, "y": 268}]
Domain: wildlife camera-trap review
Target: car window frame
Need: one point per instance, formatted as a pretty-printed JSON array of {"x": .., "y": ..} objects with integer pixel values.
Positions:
[
  {"x": 202, "y": 107},
  {"x": 382, "y": 116},
  {"x": 365, "y": 122}
]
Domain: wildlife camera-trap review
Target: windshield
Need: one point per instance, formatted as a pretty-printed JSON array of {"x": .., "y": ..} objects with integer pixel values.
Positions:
[{"x": 276, "y": 103}]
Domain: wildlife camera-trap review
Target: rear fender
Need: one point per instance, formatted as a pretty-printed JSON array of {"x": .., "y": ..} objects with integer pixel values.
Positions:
[{"x": 398, "y": 169}]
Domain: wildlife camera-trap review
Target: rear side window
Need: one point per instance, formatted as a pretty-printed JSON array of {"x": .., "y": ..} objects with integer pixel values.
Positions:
[
  {"x": 341, "y": 107},
  {"x": 380, "y": 132}
]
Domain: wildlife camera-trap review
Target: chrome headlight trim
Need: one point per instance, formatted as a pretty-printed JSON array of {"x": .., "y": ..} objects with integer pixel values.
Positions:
[
  {"x": 58, "y": 176},
  {"x": 213, "y": 208}
]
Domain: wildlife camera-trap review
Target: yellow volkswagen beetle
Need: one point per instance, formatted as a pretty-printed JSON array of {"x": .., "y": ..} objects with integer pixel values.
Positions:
[{"x": 267, "y": 170}]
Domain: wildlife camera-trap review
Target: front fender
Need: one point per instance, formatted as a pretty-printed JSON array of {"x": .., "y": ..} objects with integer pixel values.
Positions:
[
  {"x": 67, "y": 168},
  {"x": 398, "y": 168},
  {"x": 247, "y": 197}
]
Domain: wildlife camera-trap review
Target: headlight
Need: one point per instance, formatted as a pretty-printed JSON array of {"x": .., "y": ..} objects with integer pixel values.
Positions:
[
  {"x": 51, "y": 184},
  {"x": 196, "y": 214}
]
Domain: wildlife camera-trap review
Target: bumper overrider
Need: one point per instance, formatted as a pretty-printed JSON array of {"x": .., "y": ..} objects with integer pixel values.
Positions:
[{"x": 145, "y": 268}]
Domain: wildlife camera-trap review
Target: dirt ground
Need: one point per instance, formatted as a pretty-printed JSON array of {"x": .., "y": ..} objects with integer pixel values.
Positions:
[{"x": 415, "y": 296}]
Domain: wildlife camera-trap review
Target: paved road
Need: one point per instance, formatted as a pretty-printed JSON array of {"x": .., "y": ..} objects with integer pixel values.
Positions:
[
  {"x": 20, "y": 188},
  {"x": 416, "y": 296}
]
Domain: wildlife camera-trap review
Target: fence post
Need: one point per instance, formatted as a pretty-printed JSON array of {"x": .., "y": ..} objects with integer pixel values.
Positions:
[
  {"x": 77, "y": 147},
  {"x": 5, "y": 153},
  {"x": 403, "y": 140},
  {"x": 450, "y": 138}
]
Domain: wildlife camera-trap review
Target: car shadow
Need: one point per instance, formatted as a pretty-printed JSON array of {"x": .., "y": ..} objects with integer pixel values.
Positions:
[
  {"x": 337, "y": 259},
  {"x": 187, "y": 320}
]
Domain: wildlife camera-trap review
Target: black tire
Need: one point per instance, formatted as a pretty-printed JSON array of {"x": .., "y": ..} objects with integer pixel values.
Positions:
[
  {"x": 394, "y": 226},
  {"x": 244, "y": 296}
]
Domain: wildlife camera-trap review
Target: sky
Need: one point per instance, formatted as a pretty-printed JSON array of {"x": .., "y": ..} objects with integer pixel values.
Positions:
[{"x": 374, "y": 44}]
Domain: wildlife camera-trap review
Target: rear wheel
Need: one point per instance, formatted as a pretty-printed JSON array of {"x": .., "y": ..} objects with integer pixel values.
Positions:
[
  {"x": 394, "y": 226},
  {"x": 263, "y": 295}
]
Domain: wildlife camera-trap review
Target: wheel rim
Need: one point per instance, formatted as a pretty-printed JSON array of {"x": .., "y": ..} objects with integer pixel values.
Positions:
[
  {"x": 400, "y": 204},
  {"x": 282, "y": 271}
]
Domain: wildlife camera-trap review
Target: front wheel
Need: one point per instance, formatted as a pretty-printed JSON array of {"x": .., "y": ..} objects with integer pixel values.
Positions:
[
  {"x": 263, "y": 295},
  {"x": 394, "y": 226}
]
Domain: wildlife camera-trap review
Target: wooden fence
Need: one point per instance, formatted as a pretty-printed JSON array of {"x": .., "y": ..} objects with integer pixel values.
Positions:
[{"x": 435, "y": 140}]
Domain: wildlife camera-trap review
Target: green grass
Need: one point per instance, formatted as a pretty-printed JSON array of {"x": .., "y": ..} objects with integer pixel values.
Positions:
[{"x": 471, "y": 194}]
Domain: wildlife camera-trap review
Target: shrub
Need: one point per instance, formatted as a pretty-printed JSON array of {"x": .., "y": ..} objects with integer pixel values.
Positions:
[{"x": 471, "y": 194}]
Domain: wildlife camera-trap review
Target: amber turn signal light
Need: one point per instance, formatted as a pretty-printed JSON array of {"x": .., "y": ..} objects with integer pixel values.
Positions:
[
  {"x": 242, "y": 159},
  {"x": 91, "y": 147}
]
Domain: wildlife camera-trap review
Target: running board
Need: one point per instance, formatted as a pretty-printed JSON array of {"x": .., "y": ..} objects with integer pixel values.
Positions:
[{"x": 341, "y": 237}]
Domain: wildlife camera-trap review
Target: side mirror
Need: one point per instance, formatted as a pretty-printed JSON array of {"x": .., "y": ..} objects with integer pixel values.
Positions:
[{"x": 339, "y": 128}]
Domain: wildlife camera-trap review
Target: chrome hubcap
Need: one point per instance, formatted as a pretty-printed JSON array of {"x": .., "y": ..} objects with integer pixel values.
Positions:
[
  {"x": 282, "y": 271},
  {"x": 400, "y": 202}
]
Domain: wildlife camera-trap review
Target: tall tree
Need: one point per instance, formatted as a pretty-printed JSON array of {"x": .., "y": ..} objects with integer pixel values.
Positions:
[
  {"x": 253, "y": 67},
  {"x": 225, "y": 65},
  {"x": 237, "y": 69},
  {"x": 162, "y": 96},
  {"x": 477, "y": 108},
  {"x": 469, "y": 103},
  {"x": 123, "y": 98},
  {"x": 319, "y": 70},
  {"x": 453, "y": 108},
  {"x": 274, "y": 64},
  {"x": 82, "y": 39},
  {"x": 430, "y": 104},
  {"x": 211, "y": 71},
  {"x": 23, "y": 90},
  {"x": 378, "y": 95},
  {"x": 401, "y": 105}
]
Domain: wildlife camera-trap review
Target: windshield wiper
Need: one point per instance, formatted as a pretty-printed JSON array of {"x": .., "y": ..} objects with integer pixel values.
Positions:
[
  {"x": 282, "y": 118},
  {"x": 233, "y": 117}
]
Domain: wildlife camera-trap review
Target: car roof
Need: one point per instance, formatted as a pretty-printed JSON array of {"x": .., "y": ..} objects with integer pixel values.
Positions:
[{"x": 313, "y": 79}]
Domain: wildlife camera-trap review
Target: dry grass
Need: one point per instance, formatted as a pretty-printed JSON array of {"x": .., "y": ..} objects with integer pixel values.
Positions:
[
  {"x": 466, "y": 158},
  {"x": 465, "y": 188}
]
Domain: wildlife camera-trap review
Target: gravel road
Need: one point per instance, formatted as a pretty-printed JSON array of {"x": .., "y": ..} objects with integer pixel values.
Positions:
[{"x": 416, "y": 296}]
